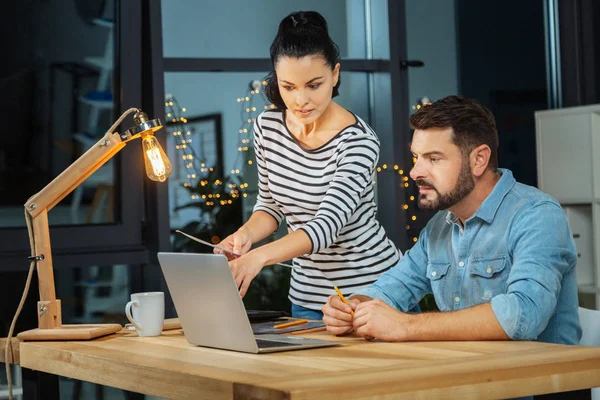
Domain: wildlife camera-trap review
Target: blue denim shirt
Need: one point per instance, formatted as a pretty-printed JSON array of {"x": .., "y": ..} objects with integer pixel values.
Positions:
[{"x": 517, "y": 252}]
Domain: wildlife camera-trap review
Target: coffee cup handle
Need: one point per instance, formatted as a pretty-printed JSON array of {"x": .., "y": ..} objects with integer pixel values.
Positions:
[{"x": 133, "y": 303}]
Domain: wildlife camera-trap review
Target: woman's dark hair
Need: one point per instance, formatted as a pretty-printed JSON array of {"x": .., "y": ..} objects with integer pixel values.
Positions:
[
  {"x": 472, "y": 124},
  {"x": 300, "y": 34}
]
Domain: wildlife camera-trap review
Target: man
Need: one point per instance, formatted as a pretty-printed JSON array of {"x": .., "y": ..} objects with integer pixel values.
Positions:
[{"x": 499, "y": 256}]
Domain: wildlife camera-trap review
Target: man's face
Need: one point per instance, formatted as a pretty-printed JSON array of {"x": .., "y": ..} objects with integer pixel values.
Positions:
[{"x": 441, "y": 172}]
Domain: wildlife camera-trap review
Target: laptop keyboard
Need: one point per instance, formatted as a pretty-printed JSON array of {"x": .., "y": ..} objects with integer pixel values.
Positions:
[{"x": 267, "y": 344}]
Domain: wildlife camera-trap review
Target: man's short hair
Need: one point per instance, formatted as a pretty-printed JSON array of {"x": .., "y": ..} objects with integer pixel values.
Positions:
[{"x": 472, "y": 124}]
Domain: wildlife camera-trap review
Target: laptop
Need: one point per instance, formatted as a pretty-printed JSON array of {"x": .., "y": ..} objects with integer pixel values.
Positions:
[{"x": 211, "y": 310}]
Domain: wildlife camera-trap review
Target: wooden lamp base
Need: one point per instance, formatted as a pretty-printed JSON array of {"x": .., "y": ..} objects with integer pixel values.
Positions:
[
  {"x": 70, "y": 332},
  {"x": 50, "y": 326}
]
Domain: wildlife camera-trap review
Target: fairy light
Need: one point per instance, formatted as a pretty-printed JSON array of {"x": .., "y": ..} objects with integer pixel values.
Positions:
[{"x": 215, "y": 192}]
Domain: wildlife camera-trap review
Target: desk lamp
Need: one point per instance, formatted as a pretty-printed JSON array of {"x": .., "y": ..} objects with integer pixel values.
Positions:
[{"x": 157, "y": 167}]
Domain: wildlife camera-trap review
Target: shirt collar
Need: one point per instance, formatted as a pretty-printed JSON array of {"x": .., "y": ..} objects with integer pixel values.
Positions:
[{"x": 487, "y": 210}]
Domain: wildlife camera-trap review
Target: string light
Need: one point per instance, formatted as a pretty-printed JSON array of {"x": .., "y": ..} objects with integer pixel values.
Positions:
[{"x": 196, "y": 166}]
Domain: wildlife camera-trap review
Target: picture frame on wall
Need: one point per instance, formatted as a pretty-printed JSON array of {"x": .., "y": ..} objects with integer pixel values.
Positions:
[
  {"x": 207, "y": 139},
  {"x": 206, "y": 134}
]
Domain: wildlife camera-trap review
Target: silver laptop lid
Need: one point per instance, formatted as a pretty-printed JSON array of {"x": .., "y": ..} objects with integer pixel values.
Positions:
[{"x": 207, "y": 301}]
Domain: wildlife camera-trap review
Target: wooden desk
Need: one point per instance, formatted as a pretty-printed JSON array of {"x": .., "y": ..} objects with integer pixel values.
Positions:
[{"x": 167, "y": 366}]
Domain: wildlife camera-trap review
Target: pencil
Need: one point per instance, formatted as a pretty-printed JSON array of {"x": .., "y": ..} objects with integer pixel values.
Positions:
[
  {"x": 285, "y": 325},
  {"x": 341, "y": 296},
  {"x": 311, "y": 330}
]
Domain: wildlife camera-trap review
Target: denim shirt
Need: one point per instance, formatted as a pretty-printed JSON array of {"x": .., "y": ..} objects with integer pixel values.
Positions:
[{"x": 516, "y": 252}]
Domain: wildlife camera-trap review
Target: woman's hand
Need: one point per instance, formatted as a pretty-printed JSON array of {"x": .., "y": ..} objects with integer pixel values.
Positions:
[
  {"x": 245, "y": 268},
  {"x": 238, "y": 242}
]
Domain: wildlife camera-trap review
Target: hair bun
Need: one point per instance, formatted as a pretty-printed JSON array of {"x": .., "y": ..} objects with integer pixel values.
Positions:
[{"x": 301, "y": 20}]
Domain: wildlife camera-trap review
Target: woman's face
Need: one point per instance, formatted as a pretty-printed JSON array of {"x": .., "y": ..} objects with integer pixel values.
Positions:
[{"x": 306, "y": 85}]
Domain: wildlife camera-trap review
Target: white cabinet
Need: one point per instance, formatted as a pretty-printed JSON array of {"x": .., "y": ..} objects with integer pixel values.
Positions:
[{"x": 568, "y": 163}]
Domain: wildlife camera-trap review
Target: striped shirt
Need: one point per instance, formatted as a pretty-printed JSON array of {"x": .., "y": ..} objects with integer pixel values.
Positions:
[{"x": 328, "y": 193}]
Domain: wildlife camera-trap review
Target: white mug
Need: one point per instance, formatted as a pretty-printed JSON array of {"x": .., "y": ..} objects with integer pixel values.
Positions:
[{"x": 148, "y": 312}]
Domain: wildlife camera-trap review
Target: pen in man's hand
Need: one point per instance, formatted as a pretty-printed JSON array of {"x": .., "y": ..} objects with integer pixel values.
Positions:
[{"x": 341, "y": 296}]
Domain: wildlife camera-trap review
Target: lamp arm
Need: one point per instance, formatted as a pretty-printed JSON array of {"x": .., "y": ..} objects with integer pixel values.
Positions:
[{"x": 74, "y": 174}]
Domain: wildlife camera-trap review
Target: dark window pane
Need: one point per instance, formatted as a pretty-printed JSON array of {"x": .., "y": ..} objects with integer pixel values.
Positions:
[{"x": 58, "y": 101}]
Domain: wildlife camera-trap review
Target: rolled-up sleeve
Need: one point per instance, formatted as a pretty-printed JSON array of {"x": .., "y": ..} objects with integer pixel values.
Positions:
[
  {"x": 264, "y": 201},
  {"x": 543, "y": 251},
  {"x": 404, "y": 285}
]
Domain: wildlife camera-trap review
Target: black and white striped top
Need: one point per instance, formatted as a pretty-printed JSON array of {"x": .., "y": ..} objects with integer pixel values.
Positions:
[{"x": 328, "y": 193}]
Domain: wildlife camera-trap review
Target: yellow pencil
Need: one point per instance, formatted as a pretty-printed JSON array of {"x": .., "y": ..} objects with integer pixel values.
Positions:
[
  {"x": 343, "y": 299},
  {"x": 285, "y": 325},
  {"x": 310, "y": 330}
]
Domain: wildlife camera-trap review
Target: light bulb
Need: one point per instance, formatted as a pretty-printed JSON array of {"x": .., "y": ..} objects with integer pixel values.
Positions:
[{"x": 158, "y": 166}]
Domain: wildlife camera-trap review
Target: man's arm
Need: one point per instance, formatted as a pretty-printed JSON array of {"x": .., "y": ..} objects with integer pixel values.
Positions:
[
  {"x": 542, "y": 250},
  {"x": 405, "y": 284},
  {"x": 475, "y": 323},
  {"x": 376, "y": 319},
  {"x": 542, "y": 253}
]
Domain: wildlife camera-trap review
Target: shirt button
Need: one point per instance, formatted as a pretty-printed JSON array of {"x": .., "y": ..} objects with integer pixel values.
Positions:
[
  {"x": 433, "y": 273},
  {"x": 461, "y": 264},
  {"x": 489, "y": 270},
  {"x": 457, "y": 299}
]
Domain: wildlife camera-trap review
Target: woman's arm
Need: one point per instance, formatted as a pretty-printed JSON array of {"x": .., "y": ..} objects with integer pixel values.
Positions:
[
  {"x": 245, "y": 268},
  {"x": 259, "y": 226}
]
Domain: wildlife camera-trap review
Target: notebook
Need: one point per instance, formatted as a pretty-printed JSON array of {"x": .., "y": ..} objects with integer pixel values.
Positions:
[{"x": 211, "y": 310}]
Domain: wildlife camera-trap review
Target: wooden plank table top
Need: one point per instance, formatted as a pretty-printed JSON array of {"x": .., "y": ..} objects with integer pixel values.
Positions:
[{"x": 168, "y": 366}]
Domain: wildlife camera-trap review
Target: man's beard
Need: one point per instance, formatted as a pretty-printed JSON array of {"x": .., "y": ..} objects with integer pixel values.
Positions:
[{"x": 464, "y": 185}]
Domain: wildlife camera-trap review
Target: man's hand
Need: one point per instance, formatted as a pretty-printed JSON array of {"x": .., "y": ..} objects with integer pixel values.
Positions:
[
  {"x": 377, "y": 319},
  {"x": 337, "y": 315},
  {"x": 244, "y": 269}
]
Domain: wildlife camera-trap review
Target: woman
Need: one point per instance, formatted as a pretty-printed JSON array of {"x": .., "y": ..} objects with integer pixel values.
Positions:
[{"x": 315, "y": 162}]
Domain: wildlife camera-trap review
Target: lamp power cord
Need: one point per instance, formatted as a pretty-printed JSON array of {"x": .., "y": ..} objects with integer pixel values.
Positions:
[{"x": 8, "y": 347}]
